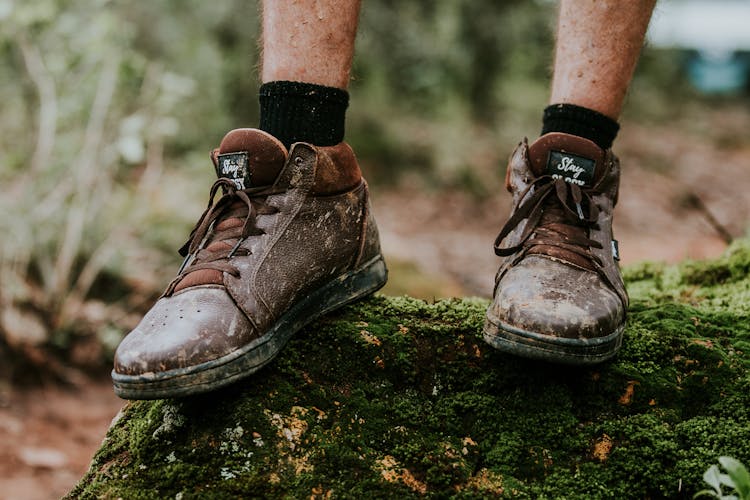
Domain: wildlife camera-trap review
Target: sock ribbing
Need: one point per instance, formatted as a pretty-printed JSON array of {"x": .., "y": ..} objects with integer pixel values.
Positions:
[
  {"x": 580, "y": 121},
  {"x": 303, "y": 112}
]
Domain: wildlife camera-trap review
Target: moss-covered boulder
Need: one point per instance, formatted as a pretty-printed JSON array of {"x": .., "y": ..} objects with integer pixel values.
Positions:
[{"x": 396, "y": 398}]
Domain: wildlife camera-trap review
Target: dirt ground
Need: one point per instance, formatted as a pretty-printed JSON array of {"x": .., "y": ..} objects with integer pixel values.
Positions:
[
  {"x": 49, "y": 435},
  {"x": 437, "y": 244}
]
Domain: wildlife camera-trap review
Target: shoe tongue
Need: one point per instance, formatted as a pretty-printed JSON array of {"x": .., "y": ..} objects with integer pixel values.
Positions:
[
  {"x": 577, "y": 161},
  {"x": 249, "y": 157},
  {"x": 572, "y": 158}
]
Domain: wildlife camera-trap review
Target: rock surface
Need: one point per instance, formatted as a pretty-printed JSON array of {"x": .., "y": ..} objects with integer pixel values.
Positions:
[{"x": 398, "y": 398}]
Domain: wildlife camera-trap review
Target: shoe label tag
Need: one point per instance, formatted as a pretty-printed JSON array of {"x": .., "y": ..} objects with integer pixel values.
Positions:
[
  {"x": 615, "y": 250},
  {"x": 234, "y": 166},
  {"x": 571, "y": 168}
]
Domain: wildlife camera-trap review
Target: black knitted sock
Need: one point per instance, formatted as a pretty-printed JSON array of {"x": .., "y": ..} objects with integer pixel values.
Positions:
[
  {"x": 303, "y": 112},
  {"x": 580, "y": 121}
]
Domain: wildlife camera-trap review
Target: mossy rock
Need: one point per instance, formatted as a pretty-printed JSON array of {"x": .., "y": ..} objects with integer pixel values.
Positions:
[{"x": 397, "y": 398}]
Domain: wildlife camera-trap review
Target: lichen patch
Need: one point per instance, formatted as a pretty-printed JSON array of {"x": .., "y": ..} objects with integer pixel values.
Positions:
[
  {"x": 370, "y": 338},
  {"x": 392, "y": 472},
  {"x": 484, "y": 481},
  {"x": 602, "y": 448},
  {"x": 627, "y": 396}
]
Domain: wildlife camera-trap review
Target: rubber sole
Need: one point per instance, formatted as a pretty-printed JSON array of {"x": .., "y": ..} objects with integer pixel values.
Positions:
[
  {"x": 243, "y": 362},
  {"x": 507, "y": 338}
]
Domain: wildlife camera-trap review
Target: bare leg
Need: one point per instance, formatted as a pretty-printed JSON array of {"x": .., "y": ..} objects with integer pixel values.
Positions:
[
  {"x": 309, "y": 41},
  {"x": 598, "y": 44}
]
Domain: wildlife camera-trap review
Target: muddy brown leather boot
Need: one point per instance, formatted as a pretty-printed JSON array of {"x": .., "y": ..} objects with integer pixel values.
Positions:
[
  {"x": 559, "y": 295},
  {"x": 290, "y": 238}
]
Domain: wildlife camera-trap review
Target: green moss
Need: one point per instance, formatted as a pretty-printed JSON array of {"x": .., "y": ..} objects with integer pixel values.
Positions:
[
  {"x": 733, "y": 266},
  {"x": 398, "y": 398}
]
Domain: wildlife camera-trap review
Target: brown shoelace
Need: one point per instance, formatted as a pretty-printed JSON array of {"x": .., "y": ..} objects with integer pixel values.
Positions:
[
  {"x": 211, "y": 246},
  {"x": 553, "y": 220}
]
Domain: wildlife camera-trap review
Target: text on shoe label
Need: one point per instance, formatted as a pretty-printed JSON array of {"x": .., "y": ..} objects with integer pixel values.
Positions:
[
  {"x": 571, "y": 168},
  {"x": 234, "y": 166}
]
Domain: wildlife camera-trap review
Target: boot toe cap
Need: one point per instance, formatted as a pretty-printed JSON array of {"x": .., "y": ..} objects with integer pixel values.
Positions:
[
  {"x": 198, "y": 325},
  {"x": 548, "y": 297}
]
